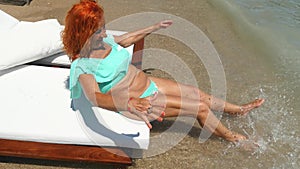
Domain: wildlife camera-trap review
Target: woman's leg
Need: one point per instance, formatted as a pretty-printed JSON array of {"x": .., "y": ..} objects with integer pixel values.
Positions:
[
  {"x": 173, "y": 88},
  {"x": 176, "y": 106}
]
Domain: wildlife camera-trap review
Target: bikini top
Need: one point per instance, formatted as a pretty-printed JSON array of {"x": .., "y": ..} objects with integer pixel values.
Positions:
[{"x": 107, "y": 71}]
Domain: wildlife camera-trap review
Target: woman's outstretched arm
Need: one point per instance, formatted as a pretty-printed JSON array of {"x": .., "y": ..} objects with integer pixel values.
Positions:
[{"x": 130, "y": 38}]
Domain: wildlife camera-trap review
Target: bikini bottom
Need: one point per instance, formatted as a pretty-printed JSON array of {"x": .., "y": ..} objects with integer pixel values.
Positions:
[{"x": 151, "y": 90}]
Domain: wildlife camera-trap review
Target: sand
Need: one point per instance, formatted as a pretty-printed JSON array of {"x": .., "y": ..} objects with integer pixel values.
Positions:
[{"x": 188, "y": 153}]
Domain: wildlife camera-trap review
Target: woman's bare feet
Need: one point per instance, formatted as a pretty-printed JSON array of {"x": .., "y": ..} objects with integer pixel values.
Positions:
[
  {"x": 246, "y": 108},
  {"x": 235, "y": 137}
]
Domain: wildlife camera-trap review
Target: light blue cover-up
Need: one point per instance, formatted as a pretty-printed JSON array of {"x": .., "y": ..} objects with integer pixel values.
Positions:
[{"x": 107, "y": 72}]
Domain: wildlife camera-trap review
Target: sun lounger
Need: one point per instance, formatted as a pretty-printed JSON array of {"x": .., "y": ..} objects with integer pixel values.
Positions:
[{"x": 38, "y": 121}]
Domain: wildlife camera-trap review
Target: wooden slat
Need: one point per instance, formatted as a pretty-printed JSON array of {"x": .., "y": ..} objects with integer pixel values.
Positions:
[
  {"x": 63, "y": 152},
  {"x": 137, "y": 57}
]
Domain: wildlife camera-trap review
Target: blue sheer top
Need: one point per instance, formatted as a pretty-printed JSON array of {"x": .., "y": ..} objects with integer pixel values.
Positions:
[{"x": 107, "y": 72}]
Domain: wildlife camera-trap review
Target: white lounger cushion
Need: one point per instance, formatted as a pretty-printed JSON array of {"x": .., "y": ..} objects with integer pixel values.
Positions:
[
  {"x": 7, "y": 22},
  {"x": 23, "y": 42},
  {"x": 35, "y": 106},
  {"x": 63, "y": 59}
]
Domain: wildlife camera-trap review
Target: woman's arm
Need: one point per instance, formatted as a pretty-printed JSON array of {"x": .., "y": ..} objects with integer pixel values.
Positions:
[
  {"x": 137, "y": 106},
  {"x": 107, "y": 101},
  {"x": 93, "y": 94},
  {"x": 130, "y": 38}
]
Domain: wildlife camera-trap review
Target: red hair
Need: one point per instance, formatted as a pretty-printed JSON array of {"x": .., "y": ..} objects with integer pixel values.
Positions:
[{"x": 80, "y": 23}]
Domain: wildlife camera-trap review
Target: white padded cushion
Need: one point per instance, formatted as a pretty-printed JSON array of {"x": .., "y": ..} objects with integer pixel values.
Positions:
[
  {"x": 36, "y": 106},
  {"x": 7, "y": 22},
  {"x": 63, "y": 59},
  {"x": 29, "y": 41}
]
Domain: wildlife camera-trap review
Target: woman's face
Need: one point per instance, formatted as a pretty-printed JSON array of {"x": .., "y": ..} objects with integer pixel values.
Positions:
[
  {"x": 101, "y": 32},
  {"x": 97, "y": 37}
]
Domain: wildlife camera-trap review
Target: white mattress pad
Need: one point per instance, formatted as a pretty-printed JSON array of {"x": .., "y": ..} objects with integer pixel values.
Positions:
[
  {"x": 61, "y": 59},
  {"x": 35, "y": 105}
]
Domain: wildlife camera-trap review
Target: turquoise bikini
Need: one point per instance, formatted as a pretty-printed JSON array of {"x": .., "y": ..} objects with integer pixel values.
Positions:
[
  {"x": 151, "y": 90},
  {"x": 107, "y": 72}
]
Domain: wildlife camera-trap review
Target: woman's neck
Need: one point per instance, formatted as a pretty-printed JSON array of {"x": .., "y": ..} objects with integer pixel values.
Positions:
[
  {"x": 100, "y": 46},
  {"x": 102, "y": 52}
]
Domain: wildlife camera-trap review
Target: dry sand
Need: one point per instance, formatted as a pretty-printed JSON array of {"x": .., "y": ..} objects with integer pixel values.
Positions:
[{"x": 199, "y": 12}]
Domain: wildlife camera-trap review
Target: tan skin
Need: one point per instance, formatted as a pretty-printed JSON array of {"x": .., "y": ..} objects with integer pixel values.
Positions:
[{"x": 197, "y": 104}]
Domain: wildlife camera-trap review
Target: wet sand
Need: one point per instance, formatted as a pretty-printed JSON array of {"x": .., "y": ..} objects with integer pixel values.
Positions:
[{"x": 189, "y": 152}]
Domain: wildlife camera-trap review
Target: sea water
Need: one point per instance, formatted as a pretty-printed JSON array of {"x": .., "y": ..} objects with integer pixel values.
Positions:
[
  {"x": 272, "y": 26},
  {"x": 272, "y": 29}
]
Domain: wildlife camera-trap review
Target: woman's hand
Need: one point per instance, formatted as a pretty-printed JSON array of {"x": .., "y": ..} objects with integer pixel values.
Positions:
[
  {"x": 164, "y": 24},
  {"x": 143, "y": 108}
]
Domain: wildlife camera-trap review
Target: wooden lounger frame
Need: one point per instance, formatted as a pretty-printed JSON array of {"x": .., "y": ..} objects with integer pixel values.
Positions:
[{"x": 67, "y": 152}]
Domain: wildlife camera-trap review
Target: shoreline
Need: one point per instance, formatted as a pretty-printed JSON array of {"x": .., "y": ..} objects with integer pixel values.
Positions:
[{"x": 203, "y": 15}]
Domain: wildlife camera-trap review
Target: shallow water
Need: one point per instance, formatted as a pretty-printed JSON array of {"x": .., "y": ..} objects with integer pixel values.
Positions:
[{"x": 273, "y": 28}]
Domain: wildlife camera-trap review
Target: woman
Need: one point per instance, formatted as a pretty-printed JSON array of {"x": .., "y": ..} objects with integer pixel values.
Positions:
[{"x": 104, "y": 74}]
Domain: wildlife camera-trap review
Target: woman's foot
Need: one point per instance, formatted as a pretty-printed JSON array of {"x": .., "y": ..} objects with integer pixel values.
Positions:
[
  {"x": 235, "y": 137},
  {"x": 246, "y": 108}
]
